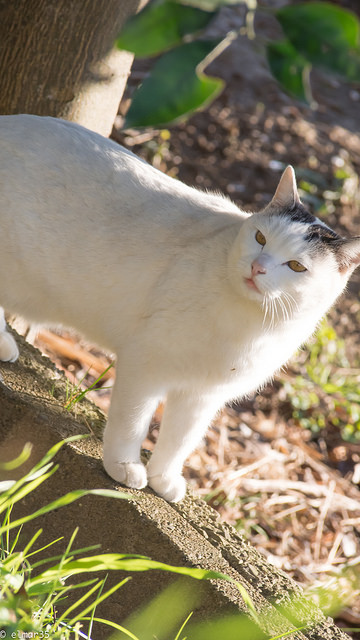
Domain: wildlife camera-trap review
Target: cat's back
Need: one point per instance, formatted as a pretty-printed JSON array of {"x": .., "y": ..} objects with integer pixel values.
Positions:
[
  {"x": 61, "y": 169},
  {"x": 43, "y": 152}
]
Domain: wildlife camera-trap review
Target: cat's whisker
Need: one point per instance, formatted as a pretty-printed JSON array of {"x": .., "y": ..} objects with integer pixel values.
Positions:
[
  {"x": 276, "y": 308},
  {"x": 294, "y": 302},
  {"x": 265, "y": 306},
  {"x": 283, "y": 307},
  {"x": 269, "y": 312},
  {"x": 274, "y": 313},
  {"x": 290, "y": 303}
]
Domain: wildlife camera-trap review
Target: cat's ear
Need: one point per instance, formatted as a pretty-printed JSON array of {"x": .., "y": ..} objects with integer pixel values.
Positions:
[
  {"x": 286, "y": 194},
  {"x": 348, "y": 254}
]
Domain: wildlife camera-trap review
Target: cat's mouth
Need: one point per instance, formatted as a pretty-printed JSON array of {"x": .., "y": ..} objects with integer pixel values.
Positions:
[{"x": 251, "y": 284}]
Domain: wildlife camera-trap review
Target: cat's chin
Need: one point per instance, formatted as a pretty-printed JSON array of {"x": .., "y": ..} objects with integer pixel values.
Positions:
[{"x": 251, "y": 291}]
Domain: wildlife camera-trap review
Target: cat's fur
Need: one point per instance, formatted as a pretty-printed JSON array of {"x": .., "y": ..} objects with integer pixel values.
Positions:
[{"x": 171, "y": 279}]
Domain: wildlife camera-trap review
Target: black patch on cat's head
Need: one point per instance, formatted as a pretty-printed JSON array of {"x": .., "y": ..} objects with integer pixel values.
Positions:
[
  {"x": 298, "y": 213},
  {"x": 321, "y": 233},
  {"x": 318, "y": 234}
]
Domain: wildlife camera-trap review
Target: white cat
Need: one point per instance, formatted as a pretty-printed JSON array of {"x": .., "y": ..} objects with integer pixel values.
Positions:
[{"x": 200, "y": 301}]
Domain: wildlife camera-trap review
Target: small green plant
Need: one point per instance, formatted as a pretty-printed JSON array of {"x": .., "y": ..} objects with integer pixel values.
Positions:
[
  {"x": 75, "y": 394},
  {"x": 326, "y": 391}
]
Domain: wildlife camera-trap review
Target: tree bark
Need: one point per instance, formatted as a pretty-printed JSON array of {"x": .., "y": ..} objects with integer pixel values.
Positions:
[{"x": 57, "y": 58}]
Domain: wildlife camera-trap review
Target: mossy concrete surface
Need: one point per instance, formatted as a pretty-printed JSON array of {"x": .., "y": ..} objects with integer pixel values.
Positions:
[{"x": 32, "y": 398}]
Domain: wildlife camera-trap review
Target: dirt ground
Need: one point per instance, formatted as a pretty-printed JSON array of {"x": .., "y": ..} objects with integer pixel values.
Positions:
[{"x": 294, "y": 493}]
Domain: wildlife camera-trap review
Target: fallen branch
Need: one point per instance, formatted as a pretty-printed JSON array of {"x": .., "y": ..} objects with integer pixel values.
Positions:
[
  {"x": 312, "y": 489},
  {"x": 68, "y": 349}
]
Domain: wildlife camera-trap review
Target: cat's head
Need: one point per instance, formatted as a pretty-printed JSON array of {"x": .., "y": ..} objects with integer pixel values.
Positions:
[{"x": 287, "y": 260}]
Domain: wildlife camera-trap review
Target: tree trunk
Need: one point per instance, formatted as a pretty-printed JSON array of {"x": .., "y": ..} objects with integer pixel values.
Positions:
[{"x": 57, "y": 58}]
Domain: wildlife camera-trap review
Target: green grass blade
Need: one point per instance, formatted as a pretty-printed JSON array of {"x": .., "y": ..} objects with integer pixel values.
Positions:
[
  {"x": 93, "y": 612},
  {"x": 249, "y": 603},
  {"x": 57, "y": 578},
  {"x": 14, "y": 486},
  {"x": 16, "y": 540},
  {"x": 116, "y": 626},
  {"x": 23, "y": 554},
  {"x": 75, "y": 552},
  {"x": 46, "y": 546},
  {"x": 17, "y": 462},
  {"x": 78, "y": 602},
  {"x": 124, "y": 562},
  {"x": 51, "y": 453},
  {"x": 287, "y": 633},
  {"x": 26, "y": 489},
  {"x": 177, "y": 637},
  {"x": 41, "y": 466},
  {"x": 98, "y": 600}
]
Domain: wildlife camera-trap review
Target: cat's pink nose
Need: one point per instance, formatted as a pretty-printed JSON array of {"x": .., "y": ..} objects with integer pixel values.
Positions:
[{"x": 257, "y": 268}]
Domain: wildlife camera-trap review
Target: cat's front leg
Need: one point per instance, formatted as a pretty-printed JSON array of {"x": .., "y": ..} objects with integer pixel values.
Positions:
[
  {"x": 9, "y": 351},
  {"x": 185, "y": 420},
  {"x": 129, "y": 420}
]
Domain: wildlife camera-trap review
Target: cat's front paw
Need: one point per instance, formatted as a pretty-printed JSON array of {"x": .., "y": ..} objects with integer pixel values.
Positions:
[
  {"x": 132, "y": 474},
  {"x": 9, "y": 351},
  {"x": 170, "y": 487}
]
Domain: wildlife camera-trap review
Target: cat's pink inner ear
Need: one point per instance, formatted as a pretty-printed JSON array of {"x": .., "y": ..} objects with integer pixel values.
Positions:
[{"x": 286, "y": 194}]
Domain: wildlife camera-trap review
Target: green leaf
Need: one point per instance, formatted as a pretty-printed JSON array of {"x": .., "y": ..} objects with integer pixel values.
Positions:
[
  {"x": 327, "y": 35},
  {"x": 175, "y": 88},
  {"x": 290, "y": 69},
  {"x": 162, "y": 25}
]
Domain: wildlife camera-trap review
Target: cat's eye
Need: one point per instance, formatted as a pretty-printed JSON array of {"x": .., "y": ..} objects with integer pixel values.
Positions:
[
  {"x": 260, "y": 238},
  {"x": 296, "y": 266}
]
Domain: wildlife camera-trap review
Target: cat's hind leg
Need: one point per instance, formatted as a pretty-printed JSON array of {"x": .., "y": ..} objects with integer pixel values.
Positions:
[
  {"x": 129, "y": 419},
  {"x": 185, "y": 420},
  {"x": 9, "y": 351}
]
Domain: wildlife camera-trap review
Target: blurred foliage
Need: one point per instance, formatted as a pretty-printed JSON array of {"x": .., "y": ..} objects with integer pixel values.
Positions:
[
  {"x": 316, "y": 34},
  {"x": 326, "y": 392},
  {"x": 145, "y": 37},
  {"x": 185, "y": 90},
  {"x": 325, "y": 34}
]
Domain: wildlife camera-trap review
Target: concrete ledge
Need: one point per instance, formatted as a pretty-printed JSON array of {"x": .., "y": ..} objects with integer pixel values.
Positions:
[{"x": 32, "y": 398}]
